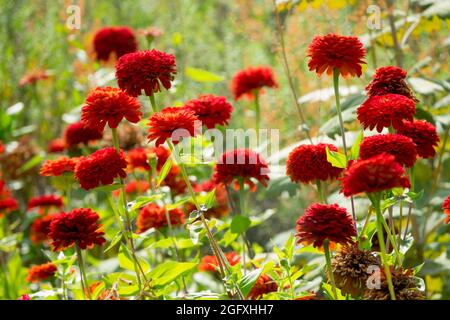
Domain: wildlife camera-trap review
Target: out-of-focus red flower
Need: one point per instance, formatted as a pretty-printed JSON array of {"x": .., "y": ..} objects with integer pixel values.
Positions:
[
  {"x": 134, "y": 186},
  {"x": 79, "y": 226},
  {"x": 174, "y": 181},
  {"x": 325, "y": 221},
  {"x": 246, "y": 82},
  {"x": 154, "y": 216},
  {"x": 2, "y": 147},
  {"x": 162, "y": 154},
  {"x": 56, "y": 145},
  {"x": 332, "y": 51},
  {"x": 117, "y": 40},
  {"x": 209, "y": 263},
  {"x": 138, "y": 159},
  {"x": 210, "y": 110},
  {"x": 145, "y": 70},
  {"x": 41, "y": 228},
  {"x": 308, "y": 163},
  {"x": 375, "y": 174},
  {"x": 33, "y": 77},
  {"x": 46, "y": 201},
  {"x": 241, "y": 164},
  {"x": 220, "y": 207},
  {"x": 4, "y": 191},
  {"x": 401, "y": 147},
  {"x": 262, "y": 286},
  {"x": 151, "y": 33},
  {"x": 446, "y": 208},
  {"x": 424, "y": 136},
  {"x": 109, "y": 106},
  {"x": 7, "y": 205},
  {"x": 384, "y": 111},
  {"x": 101, "y": 167},
  {"x": 171, "y": 123},
  {"x": 56, "y": 167},
  {"x": 389, "y": 79},
  {"x": 24, "y": 297},
  {"x": 77, "y": 133},
  {"x": 41, "y": 272}
]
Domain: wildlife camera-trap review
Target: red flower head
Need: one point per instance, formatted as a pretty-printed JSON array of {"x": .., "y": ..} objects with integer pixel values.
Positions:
[
  {"x": 154, "y": 216},
  {"x": 262, "y": 286},
  {"x": 424, "y": 136},
  {"x": 79, "y": 226},
  {"x": 46, "y": 201},
  {"x": 241, "y": 164},
  {"x": 117, "y": 40},
  {"x": 41, "y": 272},
  {"x": 389, "y": 80},
  {"x": 76, "y": 133},
  {"x": 211, "y": 110},
  {"x": 4, "y": 191},
  {"x": 101, "y": 167},
  {"x": 325, "y": 221},
  {"x": 53, "y": 168},
  {"x": 7, "y": 205},
  {"x": 2, "y": 147},
  {"x": 220, "y": 207},
  {"x": 209, "y": 263},
  {"x": 134, "y": 187},
  {"x": 175, "y": 181},
  {"x": 332, "y": 51},
  {"x": 33, "y": 77},
  {"x": 41, "y": 228},
  {"x": 401, "y": 147},
  {"x": 385, "y": 111},
  {"x": 162, "y": 154},
  {"x": 138, "y": 159},
  {"x": 56, "y": 146},
  {"x": 24, "y": 297},
  {"x": 246, "y": 82},
  {"x": 109, "y": 106},
  {"x": 375, "y": 174},
  {"x": 173, "y": 123},
  {"x": 308, "y": 163},
  {"x": 446, "y": 208},
  {"x": 145, "y": 70}
]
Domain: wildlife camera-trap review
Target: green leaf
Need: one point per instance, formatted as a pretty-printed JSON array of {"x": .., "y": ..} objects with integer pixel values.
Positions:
[
  {"x": 168, "y": 272},
  {"x": 196, "y": 231},
  {"x": 142, "y": 201},
  {"x": 164, "y": 171},
  {"x": 30, "y": 164},
  {"x": 248, "y": 281},
  {"x": 329, "y": 292},
  {"x": 178, "y": 204},
  {"x": 125, "y": 260},
  {"x": 389, "y": 202},
  {"x": 114, "y": 241},
  {"x": 354, "y": 151},
  {"x": 201, "y": 75},
  {"x": 108, "y": 188},
  {"x": 239, "y": 224},
  {"x": 336, "y": 159},
  {"x": 208, "y": 199}
]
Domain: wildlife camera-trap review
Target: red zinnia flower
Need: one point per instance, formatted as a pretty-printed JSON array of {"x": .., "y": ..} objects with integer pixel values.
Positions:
[
  {"x": 2, "y": 147},
  {"x": 41, "y": 228},
  {"x": 50, "y": 200},
  {"x": 325, "y": 221},
  {"x": 209, "y": 263},
  {"x": 79, "y": 226},
  {"x": 76, "y": 133},
  {"x": 211, "y": 110},
  {"x": 389, "y": 79},
  {"x": 53, "y": 168},
  {"x": 308, "y": 163},
  {"x": 385, "y": 111},
  {"x": 154, "y": 216},
  {"x": 109, "y": 106},
  {"x": 378, "y": 173},
  {"x": 446, "y": 208},
  {"x": 174, "y": 181},
  {"x": 101, "y": 167},
  {"x": 246, "y": 82},
  {"x": 138, "y": 159},
  {"x": 145, "y": 70},
  {"x": 4, "y": 191},
  {"x": 332, "y": 51},
  {"x": 7, "y": 205},
  {"x": 220, "y": 206},
  {"x": 56, "y": 145},
  {"x": 401, "y": 147},
  {"x": 241, "y": 164},
  {"x": 120, "y": 40},
  {"x": 162, "y": 154},
  {"x": 33, "y": 77},
  {"x": 172, "y": 123},
  {"x": 262, "y": 286},
  {"x": 424, "y": 136},
  {"x": 134, "y": 186},
  {"x": 24, "y": 297},
  {"x": 41, "y": 272}
]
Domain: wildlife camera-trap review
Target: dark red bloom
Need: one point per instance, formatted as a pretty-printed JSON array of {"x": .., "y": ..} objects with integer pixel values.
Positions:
[
  {"x": 424, "y": 136},
  {"x": 162, "y": 154},
  {"x": 145, "y": 70},
  {"x": 109, "y": 106},
  {"x": 171, "y": 123},
  {"x": 41, "y": 272},
  {"x": 134, "y": 186},
  {"x": 332, "y": 51},
  {"x": 175, "y": 181},
  {"x": 24, "y": 297},
  {"x": 53, "y": 168},
  {"x": 79, "y": 226},
  {"x": 50, "y": 200},
  {"x": 389, "y": 79},
  {"x": 138, "y": 159},
  {"x": 446, "y": 208},
  {"x": 154, "y": 216},
  {"x": 209, "y": 263},
  {"x": 56, "y": 145},
  {"x": 241, "y": 164},
  {"x": 117, "y": 40},
  {"x": 308, "y": 163},
  {"x": 76, "y": 133},
  {"x": 325, "y": 221},
  {"x": 375, "y": 174},
  {"x": 211, "y": 110},
  {"x": 262, "y": 286},
  {"x": 384, "y": 111},
  {"x": 246, "y": 82},
  {"x": 7, "y": 205},
  {"x": 2, "y": 147},
  {"x": 41, "y": 228},
  {"x": 401, "y": 147},
  {"x": 4, "y": 191},
  {"x": 101, "y": 167}
]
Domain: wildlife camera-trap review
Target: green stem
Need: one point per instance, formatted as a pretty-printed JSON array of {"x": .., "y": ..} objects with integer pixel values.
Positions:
[
  {"x": 257, "y": 110},
  {"x": 153, "y": 103},
  {"x": 84, "y": 283},
  {"x": 243, "y": 213},
  {"x": 320, "y": 192},
  {"x": 326, "y": 248},
  {"x": 366, "y": 223},
  {"x": 392, "y": 240}
]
